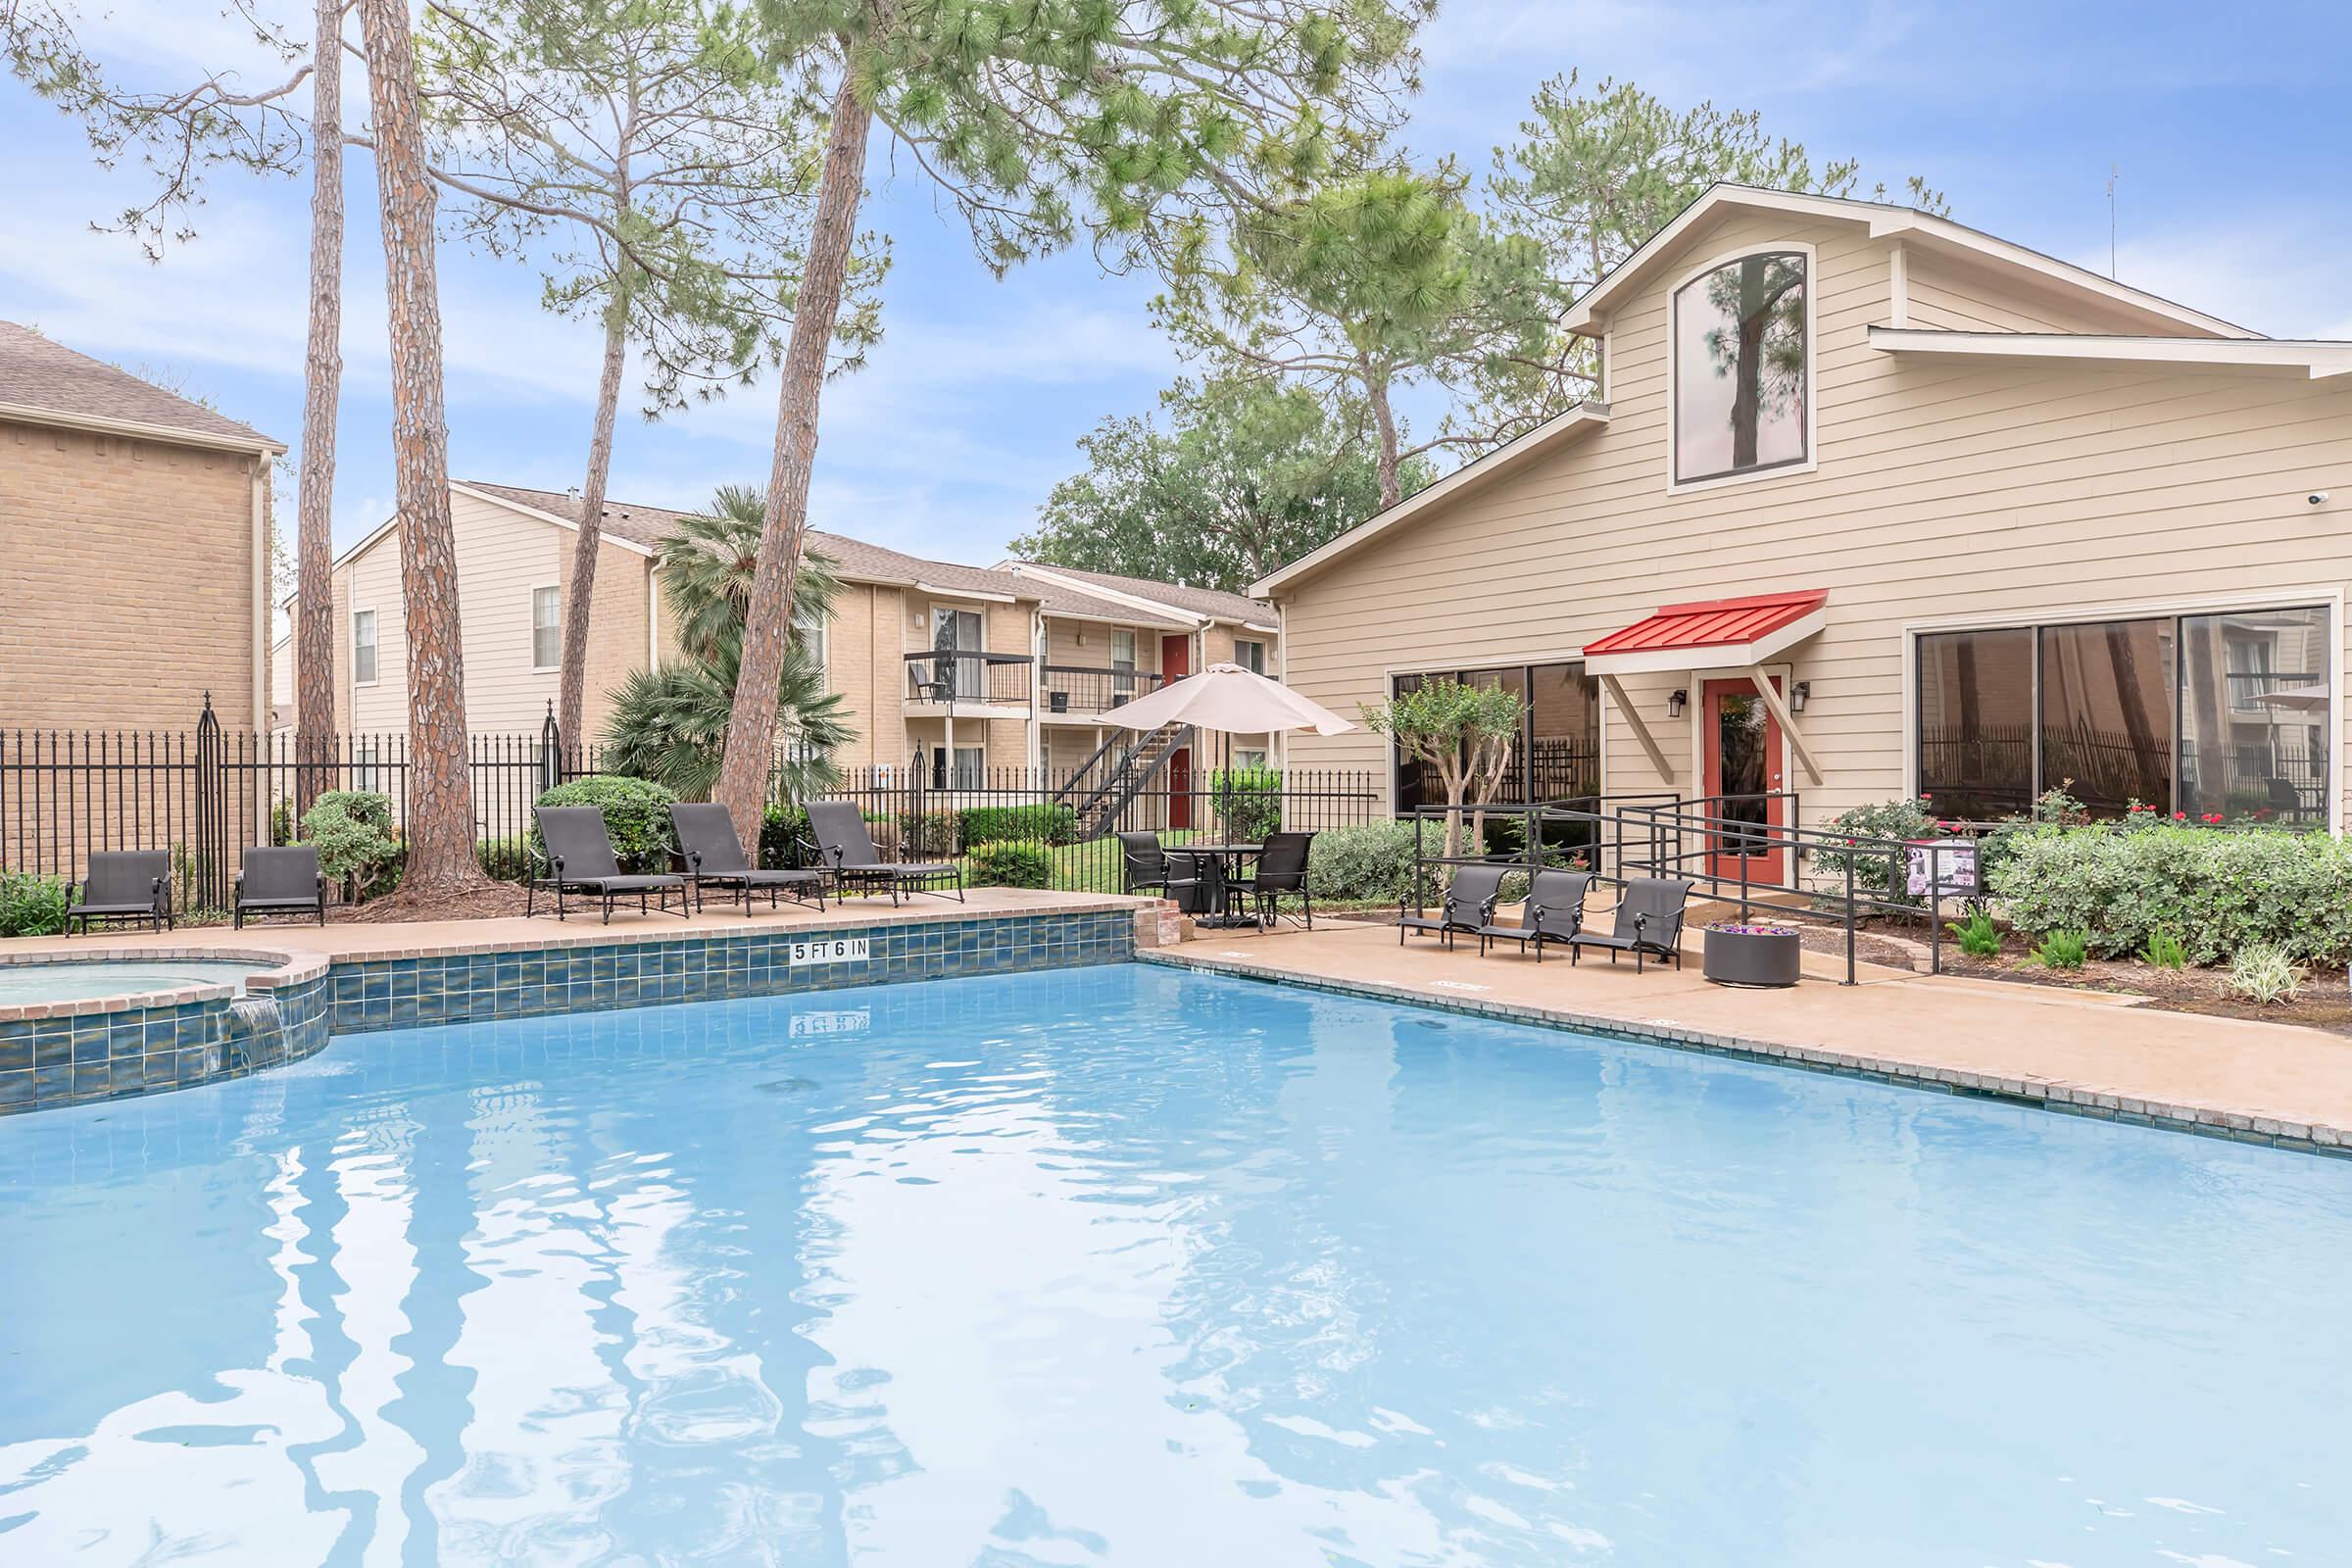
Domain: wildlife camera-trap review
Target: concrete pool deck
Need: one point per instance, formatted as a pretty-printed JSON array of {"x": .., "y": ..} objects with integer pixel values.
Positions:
[{"x": 2080, "y": 1053}]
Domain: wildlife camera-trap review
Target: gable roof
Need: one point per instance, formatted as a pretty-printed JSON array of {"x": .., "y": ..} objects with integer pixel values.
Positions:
[
  {"x": 1213, "y": 604},
  {"x": 47, "y": 383},
  {"x": 1885, "y": 221},
  {"x": 1464, "y": 481},
  {"x": 853, "y": 559}
]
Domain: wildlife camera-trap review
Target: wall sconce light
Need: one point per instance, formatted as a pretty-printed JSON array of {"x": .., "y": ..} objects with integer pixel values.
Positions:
[
  {"x": 1675, "y": 701},
  {"x": 1798, "y": 695}
]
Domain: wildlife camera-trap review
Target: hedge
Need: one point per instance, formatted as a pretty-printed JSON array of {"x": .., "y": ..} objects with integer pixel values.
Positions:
[
  {"x": 2217, "y": 889},
  {"x": 1371, "y": 861},
  {"x": 636, "y": 814},
  {"x": 1011, "y": 866},
  {"x": 1045, "y": 823},
  {"x": 32, "y": 906}
]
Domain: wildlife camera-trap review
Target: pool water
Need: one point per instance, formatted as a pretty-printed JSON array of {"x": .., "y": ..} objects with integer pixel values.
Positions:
[
  {"x": 1126, "y": 1266},
  {"x": 88, "y": 979}
]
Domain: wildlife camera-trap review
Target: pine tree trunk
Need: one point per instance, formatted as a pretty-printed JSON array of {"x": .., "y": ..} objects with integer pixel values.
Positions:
[
  {"x": 440, "y": 791},
  {"x": 323, "y": 382},
  {"x": 752, "y": 726},
  {"x": 1384, "y": 419},
  {"x": 572, "y": 689}
]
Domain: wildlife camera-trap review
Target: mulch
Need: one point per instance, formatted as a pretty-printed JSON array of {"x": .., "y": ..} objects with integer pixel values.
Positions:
[
  {"x": 2326, "y": 1002},
  {"x": 492, "y": 901}
]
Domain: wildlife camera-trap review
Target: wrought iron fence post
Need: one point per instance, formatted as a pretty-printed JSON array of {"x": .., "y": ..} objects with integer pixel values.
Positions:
[
  {"x": 208, "y": 844},
  {"x": 1935, "y": 908},
  {"x": 1849, "y": 915},
  {"x": 551, "y": 751}
]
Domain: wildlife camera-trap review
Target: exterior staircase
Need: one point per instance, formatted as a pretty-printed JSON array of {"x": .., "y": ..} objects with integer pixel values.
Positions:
[{"x": 1103, "y": 785}]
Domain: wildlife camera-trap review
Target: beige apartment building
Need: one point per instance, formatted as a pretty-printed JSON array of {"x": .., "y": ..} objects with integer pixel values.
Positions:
[
  {"x": 135, "y": 531},
  {"x": 973, "y": 675},
  {"x": 1872, "y": 503}
]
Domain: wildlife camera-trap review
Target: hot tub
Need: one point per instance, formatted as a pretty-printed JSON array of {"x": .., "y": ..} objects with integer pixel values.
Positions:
[{"x": 78, "y": 1026}]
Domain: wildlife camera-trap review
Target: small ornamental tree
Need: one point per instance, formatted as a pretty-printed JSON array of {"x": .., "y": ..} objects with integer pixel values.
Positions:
[{"x": 1464, "y": 733}]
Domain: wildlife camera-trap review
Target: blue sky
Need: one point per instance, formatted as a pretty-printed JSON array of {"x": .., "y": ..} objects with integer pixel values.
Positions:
[{"x": 2231, "y": 132}]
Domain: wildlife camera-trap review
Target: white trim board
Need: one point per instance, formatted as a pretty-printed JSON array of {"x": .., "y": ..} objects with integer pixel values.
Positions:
[{"x": 2317, "y": 358}]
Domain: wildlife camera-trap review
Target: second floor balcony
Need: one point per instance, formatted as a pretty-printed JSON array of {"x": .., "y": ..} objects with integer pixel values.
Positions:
[{"x": 957, "y": 680}]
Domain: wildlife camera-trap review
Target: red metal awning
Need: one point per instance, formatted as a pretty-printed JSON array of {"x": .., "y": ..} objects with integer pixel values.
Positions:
[{"x": 1709, "y": 631}]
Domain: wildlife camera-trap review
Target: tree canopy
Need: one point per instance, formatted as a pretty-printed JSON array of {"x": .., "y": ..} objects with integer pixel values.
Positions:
[{"x": 1236, "y": 477}]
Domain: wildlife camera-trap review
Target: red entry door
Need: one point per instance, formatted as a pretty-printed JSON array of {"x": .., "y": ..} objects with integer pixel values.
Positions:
[
  {"x": 1176, "y": 657},
  {"x": 1742, "y": 744},
  {"x": 1180, "y": 789}
]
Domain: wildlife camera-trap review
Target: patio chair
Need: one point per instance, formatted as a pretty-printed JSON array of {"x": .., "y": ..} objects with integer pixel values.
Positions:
[
  {"x": 846, "y": 848},
  {"x": 1555, "y": 912},
  {"x": 1144, "y": 864},
  {"x": 1280, "y": 874},
  {"x": 714, "y": 857},
  {"x": 579, "y": 858},
  {"x": 1469, "y": 903},
  {"x": 281, "y": 881},
  {"x": 129, "y": 887},
  {"x": 1648, "y": 920}
]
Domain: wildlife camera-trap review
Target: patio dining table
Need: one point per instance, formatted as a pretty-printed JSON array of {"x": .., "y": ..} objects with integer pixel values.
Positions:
[{"x": 1228, "y": 859}]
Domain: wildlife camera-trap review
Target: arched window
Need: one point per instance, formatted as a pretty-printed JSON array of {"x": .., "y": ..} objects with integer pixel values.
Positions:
[{"x": 1742, "y": 371}]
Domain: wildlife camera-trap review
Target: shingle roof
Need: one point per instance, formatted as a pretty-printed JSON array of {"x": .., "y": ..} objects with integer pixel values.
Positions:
[
  {"x": 45, "y": 378},
  {"x": 854, "y": 559},
  {"x": 1212, "y": 601}
]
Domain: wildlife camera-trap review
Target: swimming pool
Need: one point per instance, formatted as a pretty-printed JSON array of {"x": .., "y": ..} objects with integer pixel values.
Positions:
[{"x": 1126, "y": 1265}]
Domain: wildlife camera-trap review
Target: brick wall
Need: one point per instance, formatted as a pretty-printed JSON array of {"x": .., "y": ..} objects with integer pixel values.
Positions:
[{"x": 127, "y": 592}]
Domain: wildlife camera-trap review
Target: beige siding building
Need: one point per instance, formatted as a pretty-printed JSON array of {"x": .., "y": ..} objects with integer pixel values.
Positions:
[
  {"x": 1871, "y": 503},
  {"x": 973, "y": 674},
  {"x": 134, "y": 525}
]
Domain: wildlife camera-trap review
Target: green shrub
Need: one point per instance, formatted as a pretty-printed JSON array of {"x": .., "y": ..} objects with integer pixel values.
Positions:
[
  {"x": 2063, "y": 950},
  {"x": 1047, "y": 823},
  {"x": 927, "y": 834},
  {"x": 1373, "y": 860},
  {"x": 2164, "y": 950},
  {"x": 636, "y": 816},
  {"x": 1011, "y": 866},
  {"x": 32, "y": 906},
  {"x": 359, "y": 848},
  {"x": 2265, "y": 973},
  {"x": 783, "y": 837},
  {"x": 505, "y": 860},
  {"x": 1979, "y": 937},
  {"x": 2217, "y": 890},
  {"x": 1247, "y": 803},
  {"x": 1877, "y": 873}
]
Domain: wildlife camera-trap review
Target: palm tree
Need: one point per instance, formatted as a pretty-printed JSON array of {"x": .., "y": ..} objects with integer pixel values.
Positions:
[
  {"x": 670, "y": 725},
  {"x": 706, "y": 568}
]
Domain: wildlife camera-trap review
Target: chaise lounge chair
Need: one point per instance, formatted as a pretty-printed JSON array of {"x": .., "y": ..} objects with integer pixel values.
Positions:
[
  {"x": 131, "y": 887},
  {"x": 1650, "y": 920},
  {"x": 282, "y": 881},
  {"x": 1555, "y": 912},
  {"x": 714, "y": 857},
  {"x": 847, "y": 850},
  {"x": 579, "y": 858},
  {"x": 1469, "y": 903}
]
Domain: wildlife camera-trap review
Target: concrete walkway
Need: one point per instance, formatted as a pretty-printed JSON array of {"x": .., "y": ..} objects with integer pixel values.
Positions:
[{"x": 2078, "y": 1051}]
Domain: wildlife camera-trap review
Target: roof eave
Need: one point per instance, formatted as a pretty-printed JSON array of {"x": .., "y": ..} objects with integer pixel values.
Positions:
[
  {"x": 2320, "y": 359},
  {"x": 254, "y": 445}
]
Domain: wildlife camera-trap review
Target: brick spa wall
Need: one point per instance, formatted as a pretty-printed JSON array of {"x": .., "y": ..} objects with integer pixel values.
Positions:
[{"x": 77, "y": 1052}]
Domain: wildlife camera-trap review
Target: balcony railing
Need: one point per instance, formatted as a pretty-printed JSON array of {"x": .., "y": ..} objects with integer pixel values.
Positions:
[
  {"x": 953, "y": 675},
  {"x": 1084, "y": 689}
]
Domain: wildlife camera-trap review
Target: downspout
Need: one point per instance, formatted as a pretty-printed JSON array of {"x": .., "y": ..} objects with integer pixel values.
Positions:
[{"x": 261, "y": 595}]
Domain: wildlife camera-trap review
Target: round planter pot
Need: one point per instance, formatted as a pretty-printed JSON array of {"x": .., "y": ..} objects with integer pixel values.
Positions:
[{"x": 1751, "y": 958}]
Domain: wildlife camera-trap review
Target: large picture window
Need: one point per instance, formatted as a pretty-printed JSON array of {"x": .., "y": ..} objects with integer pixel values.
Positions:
[
  {"x": 2224, "y": 715},
  {"x": 1559, "y": 755},
  {"x": 1743, "y": 376}
]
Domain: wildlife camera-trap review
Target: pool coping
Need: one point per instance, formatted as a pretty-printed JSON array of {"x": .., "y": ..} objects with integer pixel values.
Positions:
[{"x": 2036, "y": 1092}]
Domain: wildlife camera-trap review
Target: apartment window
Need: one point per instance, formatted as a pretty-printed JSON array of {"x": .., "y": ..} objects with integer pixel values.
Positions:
[
  {"x": 363, "y": 764},
  {"x": 1250, "y": 656},
  {"x": 1122, "y": 658},
  {"x": 1742, "y": 368},
  {"x": 963, "y": 769},
  {"x": 810, "y": 625},
  {"x": 1247, "y": 758},
  {"x": 2210, "y": 715},
  {"x": 547, "y": 627},
  {"x": 956, "y": 631},
  {"x": 362, "y": 648}
]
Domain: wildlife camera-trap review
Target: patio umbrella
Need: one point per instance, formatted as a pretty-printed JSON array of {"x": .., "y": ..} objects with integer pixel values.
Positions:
[{"x": 1232, "y": 701}]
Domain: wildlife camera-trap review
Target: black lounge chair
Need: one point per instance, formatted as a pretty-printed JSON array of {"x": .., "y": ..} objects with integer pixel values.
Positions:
[
  {"x": 282, "y": 881},
  {"x": 1280, "y": 874},
  {"x": 1650, "y": 920},
  {"x": 714, "y": 856},
  {"x": 579, "y": 858},
  {"x": 847, "y": 850},
  {"x": 1468, "y": 904},
  {"x": 1144, "y": 865},
  {"x": 1555, "y": 912},
  {"x": 129, "y": 887}
]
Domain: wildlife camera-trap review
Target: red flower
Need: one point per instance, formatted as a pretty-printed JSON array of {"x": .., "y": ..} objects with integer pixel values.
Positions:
[
  {"x": 2210, "y": 817},
  {"x": 2180, "y": 816},
  {"x": 1925, "y": 796}
]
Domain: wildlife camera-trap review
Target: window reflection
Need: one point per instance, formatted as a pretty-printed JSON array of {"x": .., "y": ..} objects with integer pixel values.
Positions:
[
  {"x": 1975, "y": 722},
  {"x": 1740, "y": 370},
  {"x": 2106, "y": 713},
  {"x": 2254, "y": 714}
]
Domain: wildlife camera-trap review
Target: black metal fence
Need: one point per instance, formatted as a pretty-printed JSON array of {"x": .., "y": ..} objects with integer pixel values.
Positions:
[
  {"x": 206, "y": 794},
  {"x": 982, "y": 816}
]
